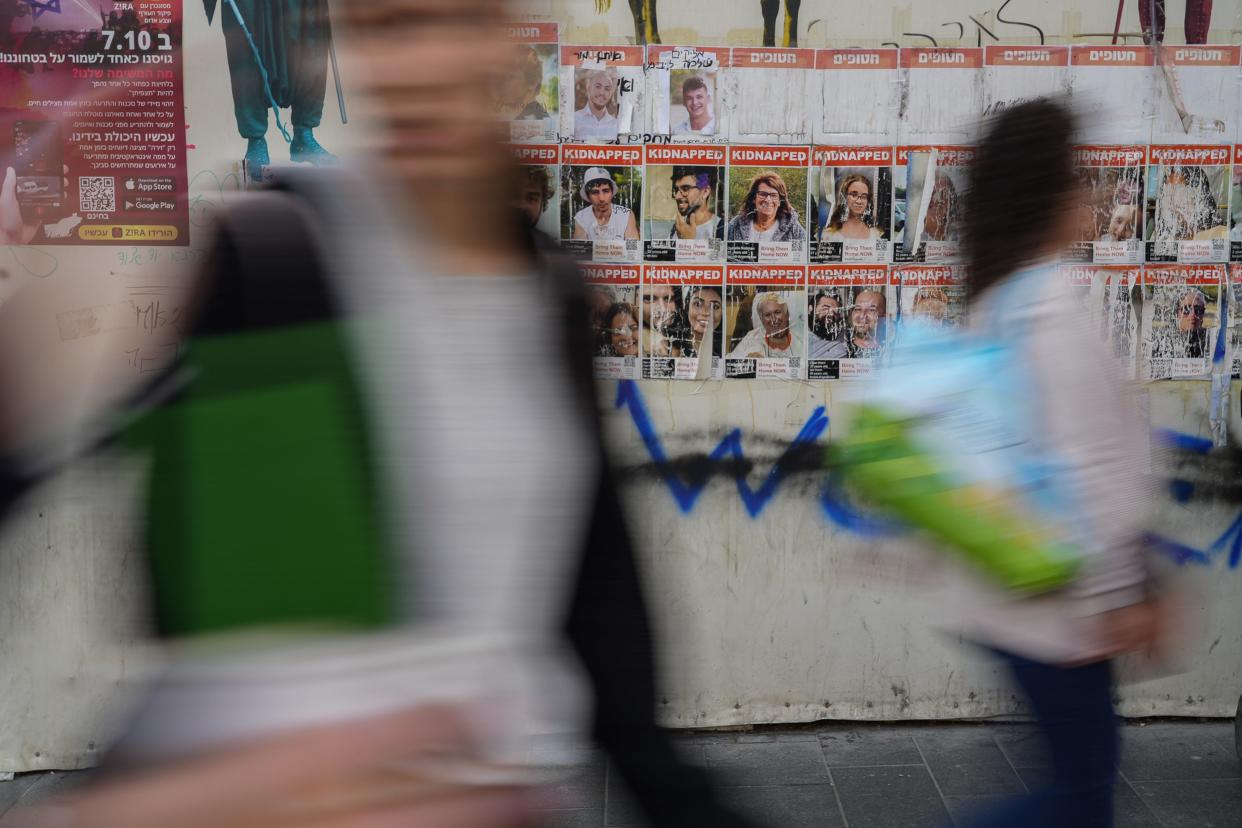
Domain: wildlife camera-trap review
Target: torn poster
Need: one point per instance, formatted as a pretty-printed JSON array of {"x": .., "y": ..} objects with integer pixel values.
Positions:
[
  {"x": 527, "y": 94},
  {"x": 683, "y": 311},
  {"x": 932, "y": 294},
  {"x": 847, "y": 320},
  {"x": 767, "y": 194},
  {"x": 1112, "y": 89},
  {"x": 860, "y": 96},
  {"x": 929, "y": 183},
  {"x": 851, "y": 209},
  {"x": 92, "y": 124},
  {"x": 1188, "y": 203},
  {"x": 1197, "y": 95},
  {"x": 612, "y": 299},
  {"x": 769, "y": 95},
  {"x": 601, "y": 201},
  {"x": 684, "y": 219},
  {"x": 685, "y": 93},
  {"x": 1104, "y": 291},
  {"x": 943, "y": 100},
  {"x": 601, "y": 90},
  {"x": 1235, "y": 325},
  {"x": 538, "y": 186},
  {"x": 1110, "y": 217},
  {"x": 1235, "y": 207},
  {"x": 1181, "y": 312},
  {"x": 1016, "y": 74},
  {"x": 765, "y": 321}
]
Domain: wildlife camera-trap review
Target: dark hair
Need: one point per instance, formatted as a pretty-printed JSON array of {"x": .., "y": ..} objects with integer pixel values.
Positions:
[
  {"x": 704, "y": 177},
  {"x": 604, "y": 344},
  {"x": 692, "y": 83},
  {"x": 773, "y": 180},
  {"x": 1022, "y": 172},
  {"x": 537, "y": 176}
]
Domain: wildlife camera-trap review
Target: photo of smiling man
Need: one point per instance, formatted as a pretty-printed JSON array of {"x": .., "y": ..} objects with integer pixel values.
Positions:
[
  {"x": 684, "y": 220},
  {"x": 696, "y": 100}
]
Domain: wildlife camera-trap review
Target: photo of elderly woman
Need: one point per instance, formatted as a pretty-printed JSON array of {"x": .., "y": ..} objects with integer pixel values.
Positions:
[{"x": 765, "y": 331}]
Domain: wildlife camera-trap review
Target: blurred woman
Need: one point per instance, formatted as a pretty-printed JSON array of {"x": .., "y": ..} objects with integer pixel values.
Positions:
[
  {"x": 853, "y": 217},
  {"x": 1059, "y": 645}
]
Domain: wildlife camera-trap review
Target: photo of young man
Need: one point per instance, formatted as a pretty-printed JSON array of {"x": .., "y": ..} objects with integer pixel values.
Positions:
[
  {"x": 602, "y": 219},
  {"x": 596, "y": 118},
  {"x": 601, "y": 199},
  {"x": 696, "y": 99},
  {"x": 695, "y": 193},
  {"x": 683, "y": 220}
]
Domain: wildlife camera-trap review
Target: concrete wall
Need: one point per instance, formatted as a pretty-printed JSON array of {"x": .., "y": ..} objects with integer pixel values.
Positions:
[{"x": 770, "y": 610}]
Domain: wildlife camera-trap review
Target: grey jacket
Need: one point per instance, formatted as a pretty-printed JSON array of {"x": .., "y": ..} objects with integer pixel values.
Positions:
[{"x": 788, "y": 228}]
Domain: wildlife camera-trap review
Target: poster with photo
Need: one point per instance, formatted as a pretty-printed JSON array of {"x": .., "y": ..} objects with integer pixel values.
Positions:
[
  {"x": 860, "y": 93},
  {"x": 765, "y": 322},
  {"x": 1110, "y": 220},
  {"x": 1181, "y": 313},
  {"x": 527, "y": 92},
  {"x": 613, "y": 302},
  {"x": 767, "y": 192},
  {"x": 1235, "y": 320},
  {"x": 1187, "y": 204},
  {"x": 538, "y": 185},
  {"x": 929, "y": 183},
  {"x": 684, "y": 219},
  {"x": 770, "y": 100},
  {"x": 944, "y": 94},
  {"x": 1015, "y": 74},
  {"x": 1112, "y": 89},
  {"x": 682, "y": 321},
  {"x": 851, "y": 210},
  {"x": 928, "y": 294},
  {"x": 601, "y": 201},
  {"x": 92, "y": 124},
  {"x": 847, "y": 320},
  {"x": 1235, "y": 206},
  {"x": 1196, "y": 95},
  {"x": 1105, "y": 293},
  {"x": 686, "y": 92},
  {"x": 601, "y": 90}
]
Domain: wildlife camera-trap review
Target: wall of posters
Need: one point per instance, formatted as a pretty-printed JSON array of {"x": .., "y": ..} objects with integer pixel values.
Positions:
[
  {"x": 764, "y": 321},
  {"x": 851, "y": 212},
  {"x": 684, "y": 218},
  {"x": 767, "y": 197},
  {"x": 1181, "y": 313},
  {"x": 683, "y": 312},
  {"x": 92, "y": 126}
]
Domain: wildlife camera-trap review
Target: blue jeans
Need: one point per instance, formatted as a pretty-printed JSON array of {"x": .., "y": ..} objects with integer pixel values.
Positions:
[{"x": 1074, "y": 709}]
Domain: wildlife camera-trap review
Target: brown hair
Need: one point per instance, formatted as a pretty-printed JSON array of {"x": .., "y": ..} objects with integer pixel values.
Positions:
[{"x": 776, "y": 183}]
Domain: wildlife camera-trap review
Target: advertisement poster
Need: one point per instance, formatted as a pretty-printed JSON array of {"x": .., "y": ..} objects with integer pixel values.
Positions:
[
  {"x": 851, "y": 208},
  {"x": 92, "y": 125},
  {"x": 944, "y": 94},
  {"x": 860, "y": 96},
  {"x": 686, "y": 92},
  {"x": 928, "y": 185},
  {"x": 528, "y": 92},
  {"x": 1197, "y": 97},
  {"x": 538, "y": 182},
  {"x": 1111, "y": 178},
  {"x": 767, "y": 189},
  {"x": 684, "y": 219},
  {"x": 683, "y": 314},
  {"x": 931, "y": 294},
  {"x": 771, "y": 100},
  {"x": 1105, "y": 293},
  {"x": 1188, "y": 203},
  {"x": 847, "y": 320},
  {"x": 601, "y": 201},
  {"x": 765, "y": 321},
  {"x": 1112, "y": 89},
  {"x": 1181, "y": 312},
  {"x": 612, "y": 297},
  {"x": 601, "y": 89},
  {"x": 1014, "y": 74}
]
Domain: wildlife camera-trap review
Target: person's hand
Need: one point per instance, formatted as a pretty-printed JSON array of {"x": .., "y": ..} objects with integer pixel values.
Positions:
[
  {"x": 1135, "y": 628},
  {"x": 334, "y": 776},
  {"x": 685, "y": 229}
]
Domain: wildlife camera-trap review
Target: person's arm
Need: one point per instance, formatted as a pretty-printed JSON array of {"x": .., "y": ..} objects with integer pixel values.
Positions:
[{"x": 631, "y": 227}]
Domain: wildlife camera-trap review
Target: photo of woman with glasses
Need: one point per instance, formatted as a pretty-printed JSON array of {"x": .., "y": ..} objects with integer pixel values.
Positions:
[
  {"x": 853, "y": 215},
  {"x": 766, "y": 214}
]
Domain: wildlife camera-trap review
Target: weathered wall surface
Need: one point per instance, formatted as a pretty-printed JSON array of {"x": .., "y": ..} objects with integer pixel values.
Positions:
[{"x": 771, "y": 607}]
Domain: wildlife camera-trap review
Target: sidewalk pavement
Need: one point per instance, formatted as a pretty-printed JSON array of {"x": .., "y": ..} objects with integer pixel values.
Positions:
[{"x": 1175, "y": 774}]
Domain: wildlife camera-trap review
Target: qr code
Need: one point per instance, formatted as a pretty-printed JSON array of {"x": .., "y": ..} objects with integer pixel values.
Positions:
[{"x": 97, "y": 194}]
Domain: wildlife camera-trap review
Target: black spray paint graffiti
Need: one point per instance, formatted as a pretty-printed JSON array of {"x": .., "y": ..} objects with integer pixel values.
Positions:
[
  {"x": 980, "y": 28},
  {"x": 647, "y": 28}
]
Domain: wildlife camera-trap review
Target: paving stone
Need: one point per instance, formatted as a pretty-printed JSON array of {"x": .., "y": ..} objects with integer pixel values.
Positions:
[
  {"x": 967, "y": 761},
  {"x": 768, "y": 763},
  {"x": 1194, "y": 803},
  {"x": 1024, "y": 745},
  {"x": 849, "y": 747},
  {"x": 574, "y": 818},
  {"x": 889, "y": 797},
  {"x": 787, "y": 806},
  {"x": 1171, "y": 750}
]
